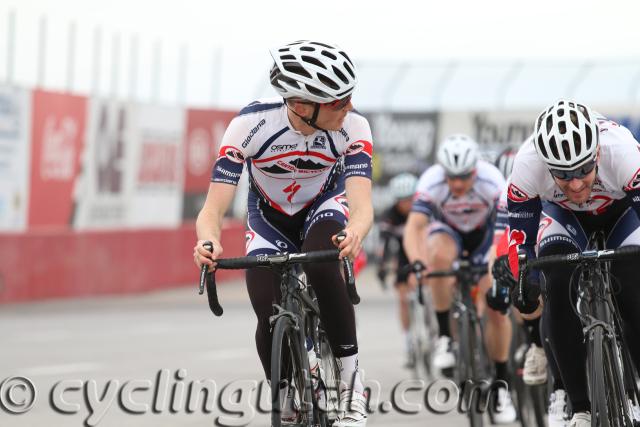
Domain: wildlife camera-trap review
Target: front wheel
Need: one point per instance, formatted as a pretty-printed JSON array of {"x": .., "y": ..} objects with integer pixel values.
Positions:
[
  {"x": 468, "y": 370},
  {"x": 290, "y": 379},
  {"x": 609, "y": 406}
]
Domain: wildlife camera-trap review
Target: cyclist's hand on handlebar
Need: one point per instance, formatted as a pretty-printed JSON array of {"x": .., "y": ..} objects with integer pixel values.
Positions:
[
  {"x": 350, "y": 246},
  {"x": 501, "y": 272},
  {"x": 499, "y": 297},
  {"x": 416, "y": 266},
  {"x": 202, "y": 256},
  {"x": 527, "y": 302}
]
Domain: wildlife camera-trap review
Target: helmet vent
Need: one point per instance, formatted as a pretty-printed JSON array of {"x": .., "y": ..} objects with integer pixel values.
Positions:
[
  {"x": 562, "y": 127},
  {"x": 554, "y": 147},
  {"x": 314, "y": 61},
  {"x": 327, "y": 81},
  {"x": 340, "y": 74},
  {"x": 541, "y": 147},
  {"x": 295, "y": 68},
  {"x": 329, "y": 55}
]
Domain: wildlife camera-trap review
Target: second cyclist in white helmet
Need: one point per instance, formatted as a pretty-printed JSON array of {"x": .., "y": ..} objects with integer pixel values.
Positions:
[{"x": 455, "y": 206}]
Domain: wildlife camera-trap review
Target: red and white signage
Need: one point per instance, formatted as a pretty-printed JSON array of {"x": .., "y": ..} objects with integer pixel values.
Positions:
[{"x": 57, "y": 139}]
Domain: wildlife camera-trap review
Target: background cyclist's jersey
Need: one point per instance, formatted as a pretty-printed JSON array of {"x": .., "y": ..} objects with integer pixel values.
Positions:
[
  {"x": 617, "y": 181},
  {"x": 470, "y": 212},
  {"x": 286, "y": 168}
]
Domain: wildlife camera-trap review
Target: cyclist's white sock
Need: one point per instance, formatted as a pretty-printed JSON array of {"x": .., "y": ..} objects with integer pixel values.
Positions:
[
  {"x": 407, "y": 341},
  {"x": 349, "y": 373}
]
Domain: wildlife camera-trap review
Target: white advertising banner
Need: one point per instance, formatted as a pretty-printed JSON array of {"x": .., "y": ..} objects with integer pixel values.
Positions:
[
  {"x": 15, "y": 143},
  {"x": 157, "y": 165},
  {"x": 494, "y": 130},
  {"x": 102, "y": 194}
]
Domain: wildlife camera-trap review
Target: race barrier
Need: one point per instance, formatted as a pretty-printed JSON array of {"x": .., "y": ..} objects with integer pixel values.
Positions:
[{"x": 53, "y": 264}]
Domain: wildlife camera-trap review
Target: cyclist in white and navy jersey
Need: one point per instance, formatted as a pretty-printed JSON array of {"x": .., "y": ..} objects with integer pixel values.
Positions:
[
  {"x": 578, "y": 173},
  {"x": 308, "y": 156},
  {"x": 452, "y": 217}
]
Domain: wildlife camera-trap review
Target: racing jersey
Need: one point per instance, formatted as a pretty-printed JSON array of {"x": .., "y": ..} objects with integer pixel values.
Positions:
[
  {"x": 287, "y": 169},
  {"x": 617, "y": 181},
  {"x": 472, "y": 211}
]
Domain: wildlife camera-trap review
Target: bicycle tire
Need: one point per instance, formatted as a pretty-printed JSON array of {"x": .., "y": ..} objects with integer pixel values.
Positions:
[
  {"x": 599, "y": 407},
  {"x": 614, "y": 382},
  {"x": 419, "y": 342},
  {"x": 287, "y": 350},
  {"x": 330, "y": 378},
  {"x": 468, "y": 370}
]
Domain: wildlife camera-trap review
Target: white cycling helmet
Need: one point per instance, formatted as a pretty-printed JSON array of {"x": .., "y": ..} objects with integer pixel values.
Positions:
[
  {"x": 458, "y": 154},
  {"x": 403, "y": 186},
  {"x": 504, "y": 161},
  {"x": 566, "y": 135},
  {"x": 313, "y": 71}
]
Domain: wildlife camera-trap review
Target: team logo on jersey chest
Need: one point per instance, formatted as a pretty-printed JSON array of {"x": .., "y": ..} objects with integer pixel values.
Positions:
[{"x": 319, "y": 142}]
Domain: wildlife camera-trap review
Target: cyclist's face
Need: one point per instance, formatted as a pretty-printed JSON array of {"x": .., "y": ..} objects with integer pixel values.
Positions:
[
  {"x": 460, "y": 186},
  {"x": 330, "y": 117},
  {"x": 577, "y": 190}
]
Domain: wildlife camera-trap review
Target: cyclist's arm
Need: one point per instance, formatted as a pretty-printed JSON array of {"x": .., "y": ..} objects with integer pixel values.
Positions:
[
  {"x": 414, "y": 236},
  {"x": 358, "y": 190},
  {"x": 209, "y": 222},
  {"x": 224, "y": 179}
]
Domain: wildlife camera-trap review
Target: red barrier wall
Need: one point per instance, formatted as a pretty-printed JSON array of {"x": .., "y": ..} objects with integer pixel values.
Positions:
[{"x": 50, "y": 264}]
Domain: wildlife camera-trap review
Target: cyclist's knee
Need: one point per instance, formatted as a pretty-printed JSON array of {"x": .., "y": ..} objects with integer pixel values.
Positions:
[{"x": 442, "y": 250}]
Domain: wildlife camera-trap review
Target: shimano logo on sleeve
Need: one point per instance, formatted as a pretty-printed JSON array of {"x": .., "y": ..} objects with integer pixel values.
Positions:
[{"x": 252, "y": 133}]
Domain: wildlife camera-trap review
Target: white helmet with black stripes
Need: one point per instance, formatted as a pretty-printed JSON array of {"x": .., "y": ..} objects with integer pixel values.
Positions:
[
  {"x": 566, "y": 135},
  {"x": 313, "y": 71},
  {"x": 458, "y": 154}
]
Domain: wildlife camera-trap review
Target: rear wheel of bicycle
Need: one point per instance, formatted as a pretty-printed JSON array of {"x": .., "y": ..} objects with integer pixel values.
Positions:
[
  {"x": 290, "y": 368},
  {"x": 468, "y": 378}
]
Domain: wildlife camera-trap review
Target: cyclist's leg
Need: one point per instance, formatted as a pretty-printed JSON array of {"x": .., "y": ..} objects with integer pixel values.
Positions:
[
  {"x": 565, "y": 330},
  {"x": 327, "y": 216},
  {"x": 443, "y": 247},
  {"x": 263, "y": 286},
  {"x": 498, "y": 328},
  {"x": 403, "y": 291}
]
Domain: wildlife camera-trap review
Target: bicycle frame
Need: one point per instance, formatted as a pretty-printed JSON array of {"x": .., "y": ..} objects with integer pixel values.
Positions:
[{"x": 609, "y": 367}]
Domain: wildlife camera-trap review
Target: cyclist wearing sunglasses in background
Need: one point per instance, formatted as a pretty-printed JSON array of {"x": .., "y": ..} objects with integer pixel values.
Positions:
[
  {"x": 582, "y": 173},
  {"x": 309, "y": 163},
  {"x": 452, "y": 217}
]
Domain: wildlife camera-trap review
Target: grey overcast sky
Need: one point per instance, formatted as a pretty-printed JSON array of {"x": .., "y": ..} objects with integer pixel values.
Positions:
[
  {"x": 397, "y": 29},
  {"x": 370, "y": 31}
]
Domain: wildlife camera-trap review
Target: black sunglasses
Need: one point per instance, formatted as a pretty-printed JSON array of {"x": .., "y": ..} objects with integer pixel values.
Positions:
[
  {"x": 464, "y": 176},
  {"x": 578, "y": 173}
]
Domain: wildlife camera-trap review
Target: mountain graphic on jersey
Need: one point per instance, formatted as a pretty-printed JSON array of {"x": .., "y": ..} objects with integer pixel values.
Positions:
[
  {"x": 308, "y": 165},
  {"x": 275, "y": 169}
]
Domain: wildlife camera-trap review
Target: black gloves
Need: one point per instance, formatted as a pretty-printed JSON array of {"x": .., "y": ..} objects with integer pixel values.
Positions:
[{"x": 499, "y": 296}]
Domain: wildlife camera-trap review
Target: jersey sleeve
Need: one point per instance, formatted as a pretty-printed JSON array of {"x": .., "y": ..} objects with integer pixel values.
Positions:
[
  {"x": 502, "y": 216},
  {"x": 228, "y": 167},
  {"x": 625, "y": 161},
  {"x": 359, "y": 148},
  {"x": 423, "y": 202},
  {"x": 523, "y": 209}
]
